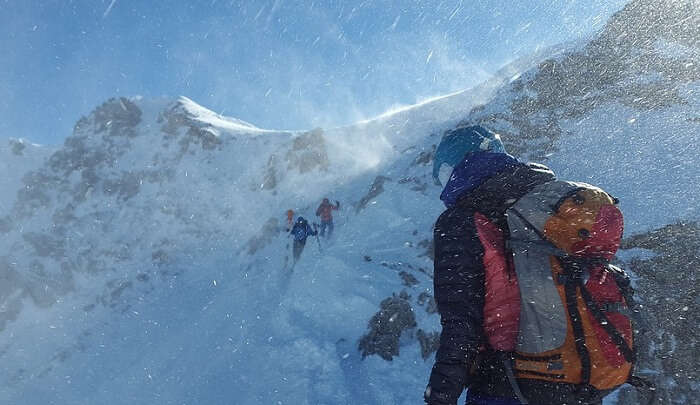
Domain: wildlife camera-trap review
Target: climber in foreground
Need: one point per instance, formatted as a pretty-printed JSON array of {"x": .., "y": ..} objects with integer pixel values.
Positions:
[
  {"x": 531, "y": 310},
  {"x": 325, "y": 212},
  {"x": 301, "y": 230}
]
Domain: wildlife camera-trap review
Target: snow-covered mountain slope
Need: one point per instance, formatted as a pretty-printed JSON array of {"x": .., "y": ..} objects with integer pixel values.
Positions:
[
  {"x": 144, "y": 261},
  {"x": 621, "y": 112},
  {"x": 155, "y": 228}
]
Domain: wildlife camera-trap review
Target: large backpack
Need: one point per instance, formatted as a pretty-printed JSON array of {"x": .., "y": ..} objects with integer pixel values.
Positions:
[
  {"x": 553, "y": 301},
  {"x": 300, "y": 230}
]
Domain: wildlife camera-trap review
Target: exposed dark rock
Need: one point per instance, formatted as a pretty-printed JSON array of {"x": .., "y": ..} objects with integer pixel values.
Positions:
[
  {"x": 270, "y": 179},
  {"x": 426, "y": 299},
  {"x": 376, "y": 189},
  {"x": 429, "y": 342},
  {"x": 203, "y": 137},
  {"x": 417, "y": 184},
  {"x": 114, "y": 116},
  {"x": 18, "y": 146},
  {"x": 10, "y": 291},
  {"x": 45, "y": 245},
  {"x": 429, "y": 247},
  {"x": 270, "y": 230},
  {"x": 420, "y": 187},
  {"x": 398, "y": 266},
  {"x": 118, "y": 290},
  {"x": 125, "y": 187},
  {"x": 308, "y": 152},
  {"x": 646, "y": 21},
  {"x": 64, "y": 216},
  {"x": 160, "y": 257},
  {"x": 34, "y": 193},
  {"x": 178, "y": 123},
  {"x": 667, "y": 289},
  {"x": 624, "y": 64},
  {"x": 78, "y": 154},
  {"x": 385, "y": 328},
  {"x": 98, "y": 139},
  {"x": 45, "y": 284},
  {"x": 425, "y": 157},
  {"x": 173, "y": 120},
  {"x": 408, "y": 279}
]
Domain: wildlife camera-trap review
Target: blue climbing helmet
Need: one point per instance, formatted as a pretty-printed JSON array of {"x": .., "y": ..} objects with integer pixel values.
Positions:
[
  {"x": 301, "y": 220},
  {"x": 457, "y": 143}
]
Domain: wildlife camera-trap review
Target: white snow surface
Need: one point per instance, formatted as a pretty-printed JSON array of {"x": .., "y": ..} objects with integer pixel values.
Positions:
[
  {"x": 209, "y": 117},
  {"x": 211, "y": 323},
  {"x": 153, "y": 297}
]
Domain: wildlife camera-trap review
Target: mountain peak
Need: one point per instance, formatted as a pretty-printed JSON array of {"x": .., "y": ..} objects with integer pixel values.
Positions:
[{"x": 208, "y": 117}]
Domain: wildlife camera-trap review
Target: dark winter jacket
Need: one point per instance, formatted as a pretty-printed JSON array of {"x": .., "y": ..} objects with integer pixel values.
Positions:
[
  {"x": 488, "y": 185},
  {"x": 301, "y": 231}
]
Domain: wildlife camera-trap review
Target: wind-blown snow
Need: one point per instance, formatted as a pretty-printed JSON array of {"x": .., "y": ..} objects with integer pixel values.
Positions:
[
  {"x": 207, "y": 322},
  {"x": 207, "y": 116},
  {"x": 144, "y": 261},
  {"x": 649, "y": 162}
]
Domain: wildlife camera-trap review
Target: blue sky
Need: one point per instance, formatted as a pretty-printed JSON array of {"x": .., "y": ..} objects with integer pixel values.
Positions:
[{"x": 277, "y": 64}]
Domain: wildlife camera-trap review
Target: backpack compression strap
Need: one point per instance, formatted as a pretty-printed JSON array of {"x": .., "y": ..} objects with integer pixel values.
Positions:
[
  {"x": 599, "y": 315},
  {"x": 572, "y": 283}
]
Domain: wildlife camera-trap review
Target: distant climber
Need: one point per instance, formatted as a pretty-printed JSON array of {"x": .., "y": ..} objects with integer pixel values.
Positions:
[
  {"x": 300, "y": 231},
  {"x": 290, "y": 219},
  {"x": 325, "y": 212}
]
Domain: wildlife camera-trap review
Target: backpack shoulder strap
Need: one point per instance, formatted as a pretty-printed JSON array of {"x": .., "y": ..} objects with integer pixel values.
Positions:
[
  {"x": 628, "y": 352},
  {"x": 624, "y": 284}
]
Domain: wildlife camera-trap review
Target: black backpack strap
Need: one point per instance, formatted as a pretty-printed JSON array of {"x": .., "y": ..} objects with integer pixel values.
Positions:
[
  {"x": 573, "y": 281},
  {"x": 627, "y": 352},
  {"x": 623, "y": 284},
  {"x": 577, "y": 326},
  {"x": 625, "y": 287},
  {"x": 627, "y": 291}
]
